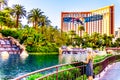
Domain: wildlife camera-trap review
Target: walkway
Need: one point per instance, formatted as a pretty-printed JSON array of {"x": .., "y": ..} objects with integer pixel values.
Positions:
[{"x": 112, "y": 73}]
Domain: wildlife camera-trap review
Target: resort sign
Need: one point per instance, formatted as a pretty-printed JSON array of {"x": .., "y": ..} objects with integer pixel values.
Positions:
[
  {"x": 93, "y": 18},
  {"x": 84, "y": 19}
]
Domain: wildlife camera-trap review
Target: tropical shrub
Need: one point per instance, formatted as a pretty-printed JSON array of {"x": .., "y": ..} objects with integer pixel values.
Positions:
[
  {"x": 97, "y": 69},
  {"x": 10, "y": 32},
  {"x": 35, "y": 76}
]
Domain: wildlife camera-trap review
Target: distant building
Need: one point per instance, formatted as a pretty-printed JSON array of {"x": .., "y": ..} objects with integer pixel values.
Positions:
[
  {"x": 117, "y": 33},
  {"x": 100, "y": 21}
]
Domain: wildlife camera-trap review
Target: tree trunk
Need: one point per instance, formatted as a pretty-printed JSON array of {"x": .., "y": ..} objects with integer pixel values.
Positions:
[
  {"x": 17, "y": 21},
  {"x": 0, "y": 26},
  {"x": 80, "y": 33},
  {"x": 0, "y": 6},
  {"x": 33, "y": 24}
]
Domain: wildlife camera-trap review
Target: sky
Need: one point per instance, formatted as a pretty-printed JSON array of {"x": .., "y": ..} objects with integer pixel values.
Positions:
[{"x": 53, "y": 8}]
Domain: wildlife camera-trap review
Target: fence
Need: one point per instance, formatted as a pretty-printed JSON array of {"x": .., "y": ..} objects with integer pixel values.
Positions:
[
  {"x": 61, "y": 72},
  {"x": 69, "y": 71}
]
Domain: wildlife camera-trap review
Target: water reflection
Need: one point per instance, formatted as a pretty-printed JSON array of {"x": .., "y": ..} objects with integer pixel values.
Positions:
[
  {"x": 71, "y": 57},
  {"x": 8, "y": 66},
  {"x": 4, "y": 56},
  {"x": 23, "y": 56},
  {"x": 15, "y": 65}
]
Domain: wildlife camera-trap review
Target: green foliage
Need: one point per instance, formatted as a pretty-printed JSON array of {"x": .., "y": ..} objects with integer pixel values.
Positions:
[
  {"x": 65, "y": 67},
  {"x": 47, "y": 48},
  {"x": 35, "y": 76},
  {"x": 81, "y": 77},
  {"x": 46, "y": 35},
  {"x": 117, "y": 43},
  {"x": 49, "y": 39},
  {"x": 42, "y": 37},
  {"x": 19, "y": 12},
  {"x": 97, "y": 69},
  {"x": 61, "y": 75},
  {"x": 99, "y": 58},
  {"x": 10, "y": 32},
  {"x": 65, "y": 75},
  {"x": 68, "y": 74}
]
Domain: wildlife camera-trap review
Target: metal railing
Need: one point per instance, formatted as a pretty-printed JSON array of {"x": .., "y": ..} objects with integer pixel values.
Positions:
[
  {"x": 77, "y": 69},
  {"x": 71, "y": 73},
  {"x": 111, "y": 48},
  {"x": 100, "y": 66}
]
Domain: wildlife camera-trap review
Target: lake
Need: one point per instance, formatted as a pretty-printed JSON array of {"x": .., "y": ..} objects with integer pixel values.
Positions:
[{"x": 15, "y": 65}]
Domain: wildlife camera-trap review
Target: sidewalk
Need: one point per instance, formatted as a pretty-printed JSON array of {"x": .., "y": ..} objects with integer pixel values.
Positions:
[{"x": 112, "y": 72}]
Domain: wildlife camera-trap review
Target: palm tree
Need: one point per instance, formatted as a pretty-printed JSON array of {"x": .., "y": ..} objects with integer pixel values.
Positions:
[
  {"x": 2, "y": 3},
  {"x": 81, "y": 28},
  {"x": 72, "y": 34},
  {"x": 5, "y": 19},
  {"x": 107, "y": 40},
  {"x": 117, "y": 42},
  {"x": 2, "y": 19},
  {"x": 10, "y": 21},
  {"x": 19, "y": 12},
  {"x": 86, "y": 40},
  {"x": 8, "y": 10},
  {"x": 34, "y": 17},
  {"x": 44, "y": 21}
]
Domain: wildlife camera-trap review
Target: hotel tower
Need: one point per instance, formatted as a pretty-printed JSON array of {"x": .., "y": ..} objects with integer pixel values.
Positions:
[{"x": 100, "y": 21}]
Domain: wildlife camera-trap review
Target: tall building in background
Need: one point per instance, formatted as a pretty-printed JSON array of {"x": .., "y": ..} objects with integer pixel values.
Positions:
[
  {"x": 117, "y": 33},
  {"x": 100, "y": 21}
]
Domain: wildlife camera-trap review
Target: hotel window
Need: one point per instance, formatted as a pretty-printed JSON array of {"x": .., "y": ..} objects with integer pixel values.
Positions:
[{"x": 82, "y": 15}]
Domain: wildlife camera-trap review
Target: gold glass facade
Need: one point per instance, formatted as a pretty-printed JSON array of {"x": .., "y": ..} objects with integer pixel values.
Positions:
[{"x": 100, "y": 21}]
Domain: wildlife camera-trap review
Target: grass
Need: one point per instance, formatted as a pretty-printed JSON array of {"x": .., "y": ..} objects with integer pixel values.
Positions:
[
  {"x": 99, "y": 58},
  {"x": 70, "y": 73},
  {"x": 34, "y": 76},
  {"x": 40, "y": 53}
]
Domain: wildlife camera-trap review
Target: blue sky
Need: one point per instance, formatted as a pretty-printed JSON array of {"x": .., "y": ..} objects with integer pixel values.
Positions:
[{"x": 53, "y": 8}]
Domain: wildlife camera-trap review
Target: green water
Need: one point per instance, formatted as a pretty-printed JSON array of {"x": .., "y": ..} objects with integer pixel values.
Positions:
[{"x": 15, "y": 65}]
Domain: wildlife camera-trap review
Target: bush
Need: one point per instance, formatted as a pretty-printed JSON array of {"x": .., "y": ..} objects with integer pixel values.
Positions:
[
  {"x": 41, "y": 49},
  {"x": 34, "y": 41},
  {"x": 35, "y": 76},
  {"x": 9, "y": 32},
  {"x": 97, "y": 69},
  {"x": 81, "y": 77}
]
